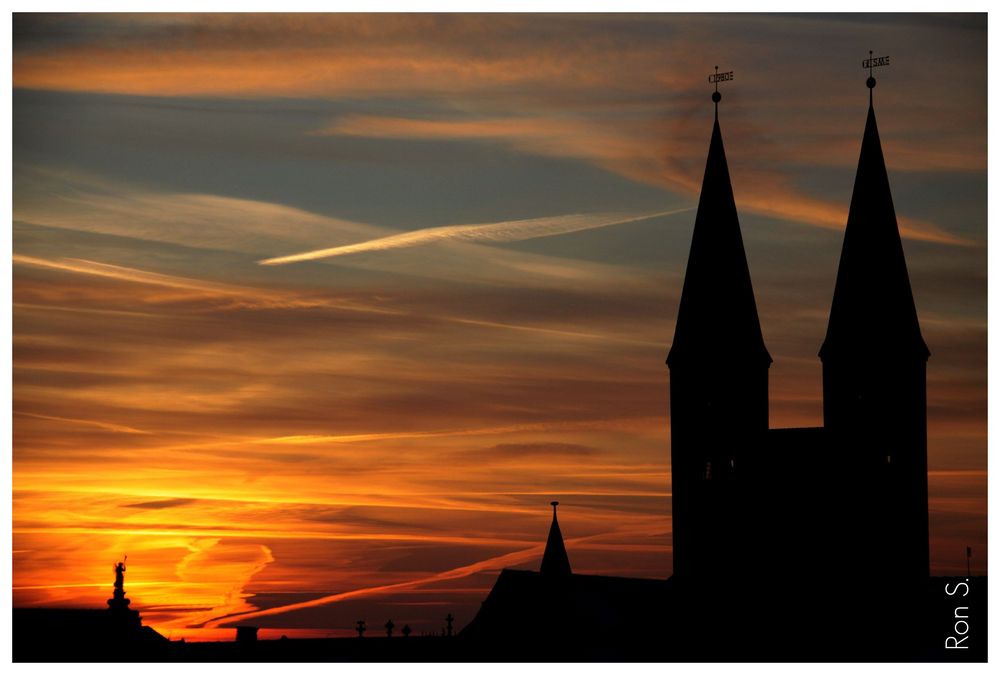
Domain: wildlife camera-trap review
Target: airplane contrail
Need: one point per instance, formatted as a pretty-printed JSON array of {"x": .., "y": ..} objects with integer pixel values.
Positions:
[
  {"x": 497, "y": 562},
  {"x": 489, "y": 564},
  {"x": 509, "y": 230}
]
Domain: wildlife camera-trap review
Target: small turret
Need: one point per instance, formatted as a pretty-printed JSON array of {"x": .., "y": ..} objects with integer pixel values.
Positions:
[{"x": 555, "y": 561}]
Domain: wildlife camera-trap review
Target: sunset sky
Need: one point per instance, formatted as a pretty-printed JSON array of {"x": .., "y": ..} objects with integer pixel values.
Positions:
[{"x": 314, "y": 314}]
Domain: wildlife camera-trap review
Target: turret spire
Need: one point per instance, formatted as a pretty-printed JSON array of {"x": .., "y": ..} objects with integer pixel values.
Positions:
[{"x": 555, "y": 561}]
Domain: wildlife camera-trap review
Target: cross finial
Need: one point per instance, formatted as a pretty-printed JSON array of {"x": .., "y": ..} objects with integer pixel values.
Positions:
[
  {"x": 715, "y": 79},
  {"x": 871, "y": 63}
]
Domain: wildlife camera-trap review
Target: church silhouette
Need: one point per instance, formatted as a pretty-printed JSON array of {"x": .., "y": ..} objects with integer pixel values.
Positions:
[
  {"x": 850, "y": 495},
  {"x": 788, "y": 544}
]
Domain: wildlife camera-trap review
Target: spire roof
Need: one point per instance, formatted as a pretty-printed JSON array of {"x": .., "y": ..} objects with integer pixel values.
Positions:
[
  {"x": 873, "y": 309},
  {"x": 555, "y": 561},
  {"x": 717, "y": 313}
]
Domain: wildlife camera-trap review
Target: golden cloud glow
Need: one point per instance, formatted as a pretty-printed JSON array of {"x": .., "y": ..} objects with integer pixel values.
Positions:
[
  {"x": 303, "y": 445},
  {"x": 626, "y": 151}
]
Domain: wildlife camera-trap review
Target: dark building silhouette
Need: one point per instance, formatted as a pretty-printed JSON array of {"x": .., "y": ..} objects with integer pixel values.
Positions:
[
  {"x": 874, "y": 373},
  {"x": 789, "y": 544},
  {"x": 246, "y": 634},
  {"x": 556, "y": 615},
  {"x": 718, "y": 379},
  {"x": 112, "y": 634},
  {"x": 845, "y": 500}
]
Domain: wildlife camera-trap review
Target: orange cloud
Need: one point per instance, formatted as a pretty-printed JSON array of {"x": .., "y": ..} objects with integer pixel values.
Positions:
[
  {"x": 110, "y": 426},
  {"x": 627, "y": 150},
  {"x": 371, "y": 427},
  {"x": 624, "y": 105},
  {"x": 241, "y": 296}
]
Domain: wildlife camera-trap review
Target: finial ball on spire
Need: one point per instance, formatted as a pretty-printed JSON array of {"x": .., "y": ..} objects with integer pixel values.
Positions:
[
  {"x": 554, "y": 503},
  {"x": 715, "y": 79},
  {"x": 871, "y": 63}
]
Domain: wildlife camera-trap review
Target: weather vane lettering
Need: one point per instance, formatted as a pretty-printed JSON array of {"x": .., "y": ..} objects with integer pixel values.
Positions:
[
  {"x": 715, "y": 78},
  {"x": 871, "y": 63}
]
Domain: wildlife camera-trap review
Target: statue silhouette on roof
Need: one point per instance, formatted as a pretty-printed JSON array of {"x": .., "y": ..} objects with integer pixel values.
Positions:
[
  {"x": 120, "y": 576},
  {"x": 119, "y": 601}
]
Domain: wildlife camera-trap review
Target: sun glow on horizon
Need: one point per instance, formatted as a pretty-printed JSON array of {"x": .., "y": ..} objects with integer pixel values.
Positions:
[{"x": 489, "y": 221}]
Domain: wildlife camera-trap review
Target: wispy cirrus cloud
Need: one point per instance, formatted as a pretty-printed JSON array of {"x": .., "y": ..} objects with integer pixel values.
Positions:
[
  {"x": 243, "y": 296},
  {"x": 161, "y": 503},
  {"x": 295, "y": 55},
  {"x": 510, "y": 230},
  {"x": 85, "y": 202},
  {"x": 288, "y": 450},
  {"x": 627, "y": 150},
  {"x": 107, "y": 426}
]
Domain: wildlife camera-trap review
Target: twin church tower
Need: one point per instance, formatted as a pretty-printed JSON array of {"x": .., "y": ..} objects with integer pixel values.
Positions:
[
  {"x": 844, "y": 500},
  {"x": 786, "y": 541}
]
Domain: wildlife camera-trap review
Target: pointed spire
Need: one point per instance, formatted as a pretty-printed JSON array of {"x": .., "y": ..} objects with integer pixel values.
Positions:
[
  {"x": 555, "y": 562},
  {"x": 717, "y": 313},
  {"x": 873, "y": 312}
]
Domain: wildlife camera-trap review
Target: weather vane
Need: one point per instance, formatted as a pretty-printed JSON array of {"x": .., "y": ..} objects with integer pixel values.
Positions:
[
  {"x": 871, "y": 63},
  {"x": 715, "y": 79}
]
